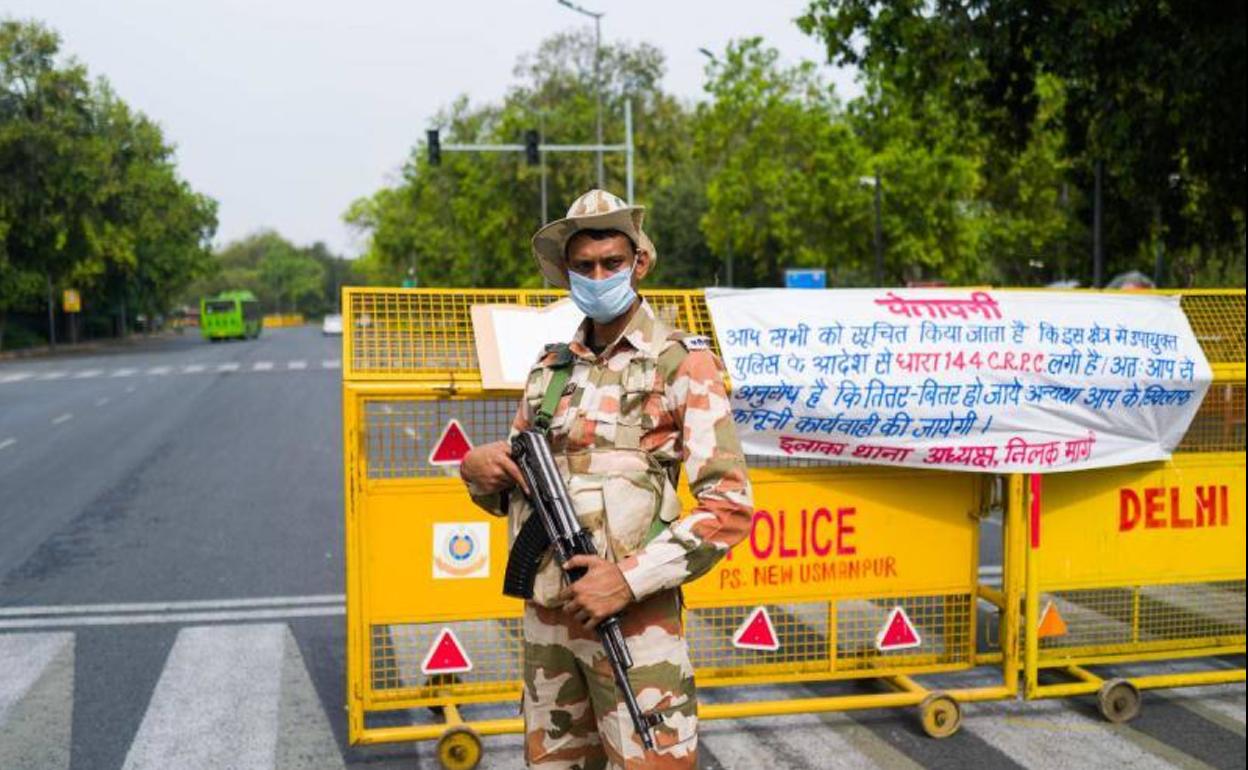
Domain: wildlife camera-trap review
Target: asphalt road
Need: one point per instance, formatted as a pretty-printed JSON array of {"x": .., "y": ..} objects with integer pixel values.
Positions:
[{"x": 171, "y": 561}]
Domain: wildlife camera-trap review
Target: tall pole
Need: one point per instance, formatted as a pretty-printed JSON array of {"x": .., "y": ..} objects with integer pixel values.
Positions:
[
  {"x": 628, "y": 139},
  {"x": 541, "y": 143},
  {"x": 879, "y": 236},
  {"x": 1098, "y": 256},
  {"x": 598, "y": 88},
  {"x": 51, "y": 314},
  {"x": 597, "y": 17}
]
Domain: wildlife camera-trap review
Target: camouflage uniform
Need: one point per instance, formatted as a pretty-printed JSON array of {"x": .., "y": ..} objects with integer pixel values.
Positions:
[{"x": 626, "y": 421}]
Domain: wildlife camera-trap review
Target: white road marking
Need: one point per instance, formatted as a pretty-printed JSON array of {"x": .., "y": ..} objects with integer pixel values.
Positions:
[
  {"x": 194, "y": 604},
  {"x": 52, "y": 376},
  {"x": 180, "y": 618},
  {"x": 8, "y": 442},
  {"x": 216, "y": 704},
  {"x": 35, "y": 726},
  {"x": 87, "y": 374},
  {"x": 835, "y": 739},
  {"x": 331, "y": 363},
  {"x": 192, "y": 368},
  {"x": 1056, "y": 734},
  {"x": 16, "y": 376},
  {"x": 160, "y": 370},
  {"x": 229, "y": 366},
  {"x": 262, "y": 366},
  {"x": 123, "y": 372},
  {"x": 990, "y": 569},
  {"x": 296, "y": 364},
  {"x": 23, "y": 657},
  {"x": 62, "y": 418},
  {"x": 101, "y": 401}
]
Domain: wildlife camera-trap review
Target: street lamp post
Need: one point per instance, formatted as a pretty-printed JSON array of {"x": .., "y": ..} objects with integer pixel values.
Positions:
[
  {"x": 597, "y": 17},
  {"x": 874, "y": 181}
]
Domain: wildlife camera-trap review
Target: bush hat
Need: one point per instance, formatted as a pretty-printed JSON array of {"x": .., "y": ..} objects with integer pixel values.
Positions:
[{"x": 595, "y": 210}]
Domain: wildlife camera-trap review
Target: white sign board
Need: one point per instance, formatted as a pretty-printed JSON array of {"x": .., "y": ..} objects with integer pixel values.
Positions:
[
  {"x": 509, "y": 339},
  {"x": 974, "y": 380}
]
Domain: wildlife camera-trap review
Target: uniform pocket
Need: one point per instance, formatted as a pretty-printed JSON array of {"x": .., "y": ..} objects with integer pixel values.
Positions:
[
  {"x": 677, "y": 734},
  {"x": 632, "y": 503}
]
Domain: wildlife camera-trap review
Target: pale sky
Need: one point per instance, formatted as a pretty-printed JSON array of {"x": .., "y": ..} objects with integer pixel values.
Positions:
[{"x": 287, "y": 110}]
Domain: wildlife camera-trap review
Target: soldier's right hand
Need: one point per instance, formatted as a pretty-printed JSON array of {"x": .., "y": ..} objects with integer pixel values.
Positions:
[{"x": 489, "y": 468}]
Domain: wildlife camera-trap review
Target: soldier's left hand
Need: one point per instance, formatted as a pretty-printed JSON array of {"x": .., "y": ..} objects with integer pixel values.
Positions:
[{"x": 598, "y": 595}]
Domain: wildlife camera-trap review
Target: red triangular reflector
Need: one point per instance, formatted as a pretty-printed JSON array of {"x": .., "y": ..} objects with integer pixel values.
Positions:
[
  {"x": 757, "y": 632},
  {"x": 446, "y": 656},
  {"x": 451, "y": 446},
  {"x": 898, "y": 632}
]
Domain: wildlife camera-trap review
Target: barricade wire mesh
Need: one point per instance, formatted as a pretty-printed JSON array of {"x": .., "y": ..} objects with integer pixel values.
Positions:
[
  {"x": 399, "y": 434},
  {"x": 1217, "y": 320},
  {"x": 807, "y": 650},
  {"x": 414, "y": 331},
  {"x": 1219, "y": 423},
  {"x": 1122, "y": 619},
  {"x": 495, "y": 648}
]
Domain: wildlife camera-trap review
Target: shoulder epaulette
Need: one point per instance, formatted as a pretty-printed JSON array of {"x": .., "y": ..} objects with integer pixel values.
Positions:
[
  {"x": 694, "y": 342},
  {"x": 559, "y": 354}
]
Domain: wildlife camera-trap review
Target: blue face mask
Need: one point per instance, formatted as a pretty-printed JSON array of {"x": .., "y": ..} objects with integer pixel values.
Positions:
[{"x": 604, "y": 300}]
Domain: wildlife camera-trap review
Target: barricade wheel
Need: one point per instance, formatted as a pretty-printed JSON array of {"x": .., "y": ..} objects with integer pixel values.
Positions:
[
  {"x": 459, "y": 748},
  {"x": 1119, "y": 701},
  {"x": 940, "y": 715}
]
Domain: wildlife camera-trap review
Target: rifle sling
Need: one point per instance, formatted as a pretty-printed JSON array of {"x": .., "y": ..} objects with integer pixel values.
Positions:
[{"x": 550, "y": 401}]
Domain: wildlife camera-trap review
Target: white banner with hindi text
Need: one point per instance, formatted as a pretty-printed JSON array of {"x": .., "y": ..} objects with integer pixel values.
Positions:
[{"x": 974, "y": 380}]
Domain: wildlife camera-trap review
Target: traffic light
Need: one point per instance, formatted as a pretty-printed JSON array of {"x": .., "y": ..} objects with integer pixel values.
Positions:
[
  {"x": 435, "y": 147},
  {"x": 531, "y": 154}
]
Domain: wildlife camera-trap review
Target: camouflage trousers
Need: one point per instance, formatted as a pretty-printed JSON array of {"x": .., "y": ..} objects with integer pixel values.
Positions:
[{"x": 574, "y": 717}]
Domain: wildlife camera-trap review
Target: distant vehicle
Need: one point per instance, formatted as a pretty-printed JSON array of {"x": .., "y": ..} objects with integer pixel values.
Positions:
[
  {"x": 332, "y": 324},
  {"x": 230, "y": 315}
]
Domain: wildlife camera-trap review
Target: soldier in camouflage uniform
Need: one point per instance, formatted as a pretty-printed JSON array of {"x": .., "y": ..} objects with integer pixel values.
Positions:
[{"x": 642, "y": 400}]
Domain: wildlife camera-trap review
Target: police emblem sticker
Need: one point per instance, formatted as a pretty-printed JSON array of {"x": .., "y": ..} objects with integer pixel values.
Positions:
[{"x": 461, "y": 551}]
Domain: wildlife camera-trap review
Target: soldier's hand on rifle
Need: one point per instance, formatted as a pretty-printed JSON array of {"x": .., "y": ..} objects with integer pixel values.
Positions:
[
  {"x": 598, "y": 595},
  {"x": 490, "y": 468}
]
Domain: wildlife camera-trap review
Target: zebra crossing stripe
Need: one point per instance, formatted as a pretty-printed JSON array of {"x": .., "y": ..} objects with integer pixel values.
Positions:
[
  {"x": 87, "y": 374},
  {"x": 192, "y": 368},
  {"x": 216, "y": 703},
  {"x": 1013, "y": 728},
  {"x": 262, "y": 366},
  {"x": 836, "y": 739},
  {"x": 158, "y": 370},
  {"x": 123, "y": 372},
  {"x": 36, "y": 700},
  {"x": 296, "y": 364},
  {"x": 16, "y": 376},
  {"x": 229, "y": 366}
]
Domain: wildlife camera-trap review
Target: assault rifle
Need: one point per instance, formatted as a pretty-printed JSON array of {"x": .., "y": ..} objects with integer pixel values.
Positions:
[{"x": 554, "y": 522}]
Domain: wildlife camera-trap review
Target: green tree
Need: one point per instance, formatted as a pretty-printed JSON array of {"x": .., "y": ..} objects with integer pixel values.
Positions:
[
  {"x": 90, "y": 196},
  {"x": 467, "y": 222},
  {"x": 1153, "y": 91}
]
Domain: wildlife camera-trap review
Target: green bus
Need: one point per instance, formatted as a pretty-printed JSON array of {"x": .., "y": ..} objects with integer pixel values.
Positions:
[{"x": 230, "y": 315}]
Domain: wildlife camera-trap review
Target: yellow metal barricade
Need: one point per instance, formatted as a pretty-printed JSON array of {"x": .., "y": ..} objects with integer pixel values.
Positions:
[
  {"x": 1146, "y": 562},
  {"x": 280, "y": 320},
  {"x": 833, "y": 550}
]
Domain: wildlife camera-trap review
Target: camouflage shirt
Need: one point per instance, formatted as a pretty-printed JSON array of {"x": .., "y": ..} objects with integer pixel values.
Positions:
[{"x": 654, "y": 399}]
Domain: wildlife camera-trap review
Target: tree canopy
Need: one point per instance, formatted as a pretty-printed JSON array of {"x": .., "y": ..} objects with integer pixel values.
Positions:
[
  {"x": 1154, "y": 92},
  {"x": 90, "y": 197}
]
